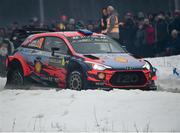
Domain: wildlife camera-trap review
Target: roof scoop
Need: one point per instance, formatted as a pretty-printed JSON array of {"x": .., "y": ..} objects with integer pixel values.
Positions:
[{"x": 85, "y": 32}]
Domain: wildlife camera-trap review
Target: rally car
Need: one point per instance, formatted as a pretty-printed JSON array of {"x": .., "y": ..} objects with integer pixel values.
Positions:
[{"x": 78, "y": 60}]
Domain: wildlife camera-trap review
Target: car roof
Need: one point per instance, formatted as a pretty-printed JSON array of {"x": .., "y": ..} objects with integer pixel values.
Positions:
[{"x": 66, "y": 34}]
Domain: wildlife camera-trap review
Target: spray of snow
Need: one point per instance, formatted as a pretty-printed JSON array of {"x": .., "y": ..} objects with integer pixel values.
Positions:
[{"x": 167, "y": 80}]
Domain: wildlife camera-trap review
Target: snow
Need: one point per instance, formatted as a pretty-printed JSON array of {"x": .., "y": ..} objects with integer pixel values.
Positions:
[
  {"x": 96, "y": 110},
  {"x": 166, "y": 80},
  {"x": 2, "y": 83}
]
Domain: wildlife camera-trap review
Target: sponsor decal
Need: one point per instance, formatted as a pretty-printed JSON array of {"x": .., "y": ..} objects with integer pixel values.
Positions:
[
  {"x": 50, "y": 79},
  {"x": 63, "y": 62},
  {"x": 97, "y": 39},
  {"x": 121, "y": 59},
  {"x": 57, "y": 62},
  {"x": 176, "y": 72},
  {"x": 38, "y": 66},
  {"x": 129, "y": 68}
]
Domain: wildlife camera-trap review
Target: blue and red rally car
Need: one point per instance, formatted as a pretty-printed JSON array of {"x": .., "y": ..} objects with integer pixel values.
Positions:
[{"x": 77, "y": 60}]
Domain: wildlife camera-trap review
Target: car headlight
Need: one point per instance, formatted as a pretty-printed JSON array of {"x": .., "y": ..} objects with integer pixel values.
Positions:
[
  {"x": 97, "y": 66},
  {"x": 147, "y": 66}
]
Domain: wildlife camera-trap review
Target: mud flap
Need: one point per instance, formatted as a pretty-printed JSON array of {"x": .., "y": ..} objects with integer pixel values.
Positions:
[{"x": 3, "y": 70}]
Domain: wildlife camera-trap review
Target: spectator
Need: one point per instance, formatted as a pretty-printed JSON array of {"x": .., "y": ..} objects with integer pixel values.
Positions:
[
  {"x": 61, "y": 27},
  {"x": 90, "y": 27},
  {"x": 14, "y": 26},
  {"x": 71, "y": 25},
  {"x": 161, "y": 28},
  {"x": 151, "y": 18},
  {"x": 129, "y": 34},
  {"x": 104, "y": 19},
  {"x": 3, "y": 54},
  {"x": 149, "y": 38},
  {"x": 2, "y": 33},
  {"x": 53, "y": 25},
  {"x": 9, "y": 46},
  {"x": 173, "y": 46},
  {"x": 168, "y": 17},
  {"x": 175, "y": 24},
  {"x": 112, "y": 29},
  {"x": 140, "y": 41},
  {"x": 80, "y": 25},
  {"x": 97, "y": 27},
  {"x": 139, "y": 19},
  {"x": 3, "y": 49}
]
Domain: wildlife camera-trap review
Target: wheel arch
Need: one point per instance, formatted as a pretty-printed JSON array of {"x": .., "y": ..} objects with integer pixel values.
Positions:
[
  {"x": 74, "y": 65},
  {"x": 18, "y": 63},
  {"x": 77, "y": 66}
]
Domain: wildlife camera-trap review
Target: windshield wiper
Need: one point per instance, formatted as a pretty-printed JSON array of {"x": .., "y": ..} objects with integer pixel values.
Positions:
[{"x": 115, "y": 52}]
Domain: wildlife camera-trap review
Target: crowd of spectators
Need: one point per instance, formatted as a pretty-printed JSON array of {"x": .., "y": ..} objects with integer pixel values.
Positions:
[
  {"x": 149, "y": 35},
  {"x": 145, "y": 35}
]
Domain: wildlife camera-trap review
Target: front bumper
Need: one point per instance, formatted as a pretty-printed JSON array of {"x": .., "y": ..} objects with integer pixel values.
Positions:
[{"x": 117, "y": 79}]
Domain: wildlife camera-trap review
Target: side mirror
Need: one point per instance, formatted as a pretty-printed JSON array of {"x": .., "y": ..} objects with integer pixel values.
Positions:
[{"x": 54, "y": 49}]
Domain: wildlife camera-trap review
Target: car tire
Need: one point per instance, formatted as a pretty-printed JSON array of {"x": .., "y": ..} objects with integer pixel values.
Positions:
[
  {"x": 16, "y": 80},
  {"x": 152, "y": 87},
  {"x": 75, "y": 81},
  {"x": 107, "y": 89}
]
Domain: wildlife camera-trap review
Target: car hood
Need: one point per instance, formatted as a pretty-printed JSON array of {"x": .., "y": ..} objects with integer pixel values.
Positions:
[{"x": 117, "y": 61}]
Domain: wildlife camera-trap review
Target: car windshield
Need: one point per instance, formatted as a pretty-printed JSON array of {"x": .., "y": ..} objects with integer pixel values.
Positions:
[{"x": 95, "y": 45}]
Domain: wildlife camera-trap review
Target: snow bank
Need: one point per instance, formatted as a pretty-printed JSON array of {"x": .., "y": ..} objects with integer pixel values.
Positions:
[
  {"x": 166, "y": 79},
  {"x": 2, "y": 83}
]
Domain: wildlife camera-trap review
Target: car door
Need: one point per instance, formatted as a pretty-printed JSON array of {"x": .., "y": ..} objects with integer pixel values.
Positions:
[
  {"x": 34, "y": 56},
  {"x": 57, "y": 55}
]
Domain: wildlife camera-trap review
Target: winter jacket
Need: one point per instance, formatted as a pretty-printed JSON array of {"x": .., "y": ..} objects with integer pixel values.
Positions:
[
  {"x": 175, "y": 24},
  {"x": 174, "y": 44},
  {"x": 150, "y": 35},
  {"x": 161, "y": 30}
]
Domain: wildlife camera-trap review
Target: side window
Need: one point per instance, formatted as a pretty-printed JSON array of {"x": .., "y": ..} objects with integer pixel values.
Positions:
[
  {"x": 55, "y": 42},
  {"x": 37, "y": 43}
]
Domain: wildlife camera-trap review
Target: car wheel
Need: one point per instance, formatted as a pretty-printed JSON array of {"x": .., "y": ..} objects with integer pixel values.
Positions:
[
  {"x": 152, "y": 87},
  {"x": 75, "y": 81},
  {"x": 107, "y": 89},
  {"x": 15, "y": 79}
]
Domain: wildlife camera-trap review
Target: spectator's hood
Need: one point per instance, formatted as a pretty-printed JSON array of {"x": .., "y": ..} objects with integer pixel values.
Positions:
[{"x": 117, "y": 61}]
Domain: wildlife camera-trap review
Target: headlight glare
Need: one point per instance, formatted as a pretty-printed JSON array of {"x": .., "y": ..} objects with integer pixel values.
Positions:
[
  {"x": 147, "y": 66},
  {"x": 97, "y": 66}
]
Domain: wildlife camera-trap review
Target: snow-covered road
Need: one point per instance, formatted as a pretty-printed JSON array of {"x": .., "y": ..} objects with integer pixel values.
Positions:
[
  {"x": 96, "y": 110},
  {"x": 92, "y": 110}
]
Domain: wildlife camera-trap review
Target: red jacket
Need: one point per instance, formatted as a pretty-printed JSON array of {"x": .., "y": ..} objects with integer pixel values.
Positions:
[{"x": 150, "y": 35}]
